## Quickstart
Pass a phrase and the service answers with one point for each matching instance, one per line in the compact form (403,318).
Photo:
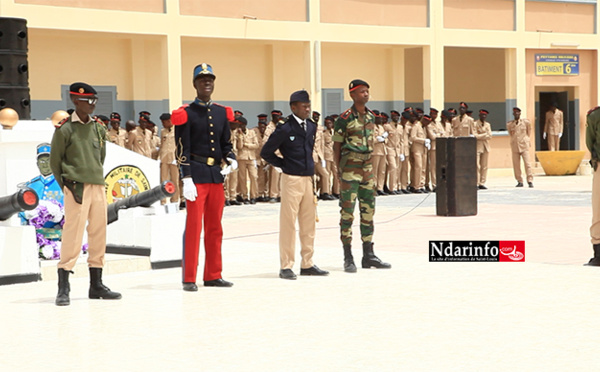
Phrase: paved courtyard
(536,315)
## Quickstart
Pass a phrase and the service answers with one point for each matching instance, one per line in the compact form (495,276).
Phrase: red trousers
(207,207)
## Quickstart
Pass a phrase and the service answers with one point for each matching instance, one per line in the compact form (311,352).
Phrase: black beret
(144,113)
(115,116)
(82,89)
(484,111)
(261,116)
(102,117)
(394,112)
(276,112)
(241,120)
(464,104)
(165,116)
(384,114)
(144,117)
(299,96)
(356,83)
(376,112)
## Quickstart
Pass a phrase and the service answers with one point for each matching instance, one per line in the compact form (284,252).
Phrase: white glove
(254,162)
(544,135)
(225,171)
(174,162)
(471,135)
(278,169)
(323,163)
(402,157)
(380,138)
(559,135)
(189,189)
(266,168)
(428,146)
(385,135)
(234,164)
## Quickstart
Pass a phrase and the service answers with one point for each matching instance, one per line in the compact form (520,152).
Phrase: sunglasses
(91,101)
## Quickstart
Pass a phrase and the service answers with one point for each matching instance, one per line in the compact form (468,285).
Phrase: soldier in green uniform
(592,141)
(353,144)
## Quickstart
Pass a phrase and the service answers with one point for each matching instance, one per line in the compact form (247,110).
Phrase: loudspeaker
(14,69)
(456,189)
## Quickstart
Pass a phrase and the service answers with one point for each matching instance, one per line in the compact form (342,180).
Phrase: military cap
(82,89)
(203,69)
(144,117)
(484,111)
(43,149)
(427,117)
(299,96)
(394,112)
(276,112)
(316,113)
(464,104)
(385,115)
(357,83)
(452,111)
(103,118)
(329,118)
(165,116)
(406,115)
(241,120)
(115,116)
(516,109)
(376,112)
(261,116)
(238,112)
(446,113)
(433,110)
(408,109)
(469,111)
(419,110)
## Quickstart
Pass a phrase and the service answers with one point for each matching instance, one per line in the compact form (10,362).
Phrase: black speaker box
(13,34)
(456,189)
(13,69)
(17,98)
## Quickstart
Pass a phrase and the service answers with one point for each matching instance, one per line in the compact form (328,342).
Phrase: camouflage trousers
(357,181)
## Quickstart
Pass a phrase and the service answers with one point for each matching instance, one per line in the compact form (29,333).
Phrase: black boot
(595,261)
(99,290)
(370,260)
(62,298)
(349,265)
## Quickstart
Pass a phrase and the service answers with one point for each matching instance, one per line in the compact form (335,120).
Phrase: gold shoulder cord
(181,159)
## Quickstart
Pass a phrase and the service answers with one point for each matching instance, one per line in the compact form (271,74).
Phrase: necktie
(303,125)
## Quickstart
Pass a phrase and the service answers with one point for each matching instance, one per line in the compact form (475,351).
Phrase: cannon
(144,199)
(23,200)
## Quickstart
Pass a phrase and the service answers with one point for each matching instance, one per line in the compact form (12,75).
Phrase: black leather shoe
(246,201)
(482,187)
(190,287)
(272,200)
(530,184)
(405,191)
(234,202)
(424,190)
(314,270)
(252,201)
(278,200)
(227,204)
(218,283)
(380,193)
(349,266)
(336,196)
(427,188)
(260,199)
(417,191)
(287,274)
(520,184)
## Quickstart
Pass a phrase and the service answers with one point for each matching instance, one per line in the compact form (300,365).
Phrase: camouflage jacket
(355,135)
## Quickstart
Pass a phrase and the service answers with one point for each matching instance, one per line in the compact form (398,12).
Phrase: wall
(152,6)
(406,13)
(559,17)
(479,14)
(278,10)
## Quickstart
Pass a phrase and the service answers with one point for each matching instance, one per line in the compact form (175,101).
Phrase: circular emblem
(124,181)
(81,90)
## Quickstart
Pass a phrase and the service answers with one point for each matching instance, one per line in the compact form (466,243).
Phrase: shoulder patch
(179,116)
(345,114)
(60,123)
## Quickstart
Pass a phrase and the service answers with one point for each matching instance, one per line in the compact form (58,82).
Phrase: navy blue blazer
(295,144)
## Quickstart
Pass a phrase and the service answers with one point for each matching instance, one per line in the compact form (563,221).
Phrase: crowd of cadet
(404,154)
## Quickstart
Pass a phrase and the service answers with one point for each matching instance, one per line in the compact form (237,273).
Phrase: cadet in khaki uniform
(353,145)
(231,181)
(140,139)
(553,128)
(324,184)
(418,152)
(328,152)
(246,156)
(169,170)
(274,173)
(116,134)
(519,131)
(391,147)
(483,133)
(262,169)
(154,141)
(463,125)
(404,154)
(378,154)
(592,141)
(434,131)
(76,158)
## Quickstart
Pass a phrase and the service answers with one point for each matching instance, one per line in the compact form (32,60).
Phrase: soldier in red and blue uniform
(203,142)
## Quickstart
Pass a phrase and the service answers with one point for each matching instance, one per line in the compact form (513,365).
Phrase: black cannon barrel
(143,199)
(23,200)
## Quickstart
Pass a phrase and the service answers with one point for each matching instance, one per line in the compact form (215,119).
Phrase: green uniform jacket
(354,135)
(78,151)
(592,132)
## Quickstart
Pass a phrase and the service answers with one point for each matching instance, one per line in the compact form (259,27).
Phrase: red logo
(512,251)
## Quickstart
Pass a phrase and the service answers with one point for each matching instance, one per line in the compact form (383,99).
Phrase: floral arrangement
(48,239)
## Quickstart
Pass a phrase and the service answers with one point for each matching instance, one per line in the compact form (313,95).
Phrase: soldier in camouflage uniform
(353,144)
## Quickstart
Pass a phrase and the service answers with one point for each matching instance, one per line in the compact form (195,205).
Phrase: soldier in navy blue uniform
(295,139)
(203,142)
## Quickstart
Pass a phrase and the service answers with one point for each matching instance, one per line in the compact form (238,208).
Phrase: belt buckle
(210,161)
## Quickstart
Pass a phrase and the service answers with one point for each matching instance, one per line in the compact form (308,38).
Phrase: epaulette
(179,116)
(60,123)
(592,110)
(98,121)
(346,114)
(280,122)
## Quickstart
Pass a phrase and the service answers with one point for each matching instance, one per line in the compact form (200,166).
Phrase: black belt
(210,161)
